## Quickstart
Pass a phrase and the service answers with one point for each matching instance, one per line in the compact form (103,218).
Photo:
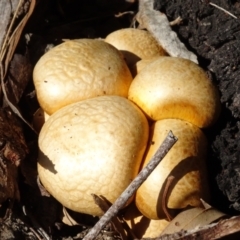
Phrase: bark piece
(7,7)
(158,25)
(12,150)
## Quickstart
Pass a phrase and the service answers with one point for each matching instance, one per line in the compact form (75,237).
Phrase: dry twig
(104,204)
(224,10)
(167,144)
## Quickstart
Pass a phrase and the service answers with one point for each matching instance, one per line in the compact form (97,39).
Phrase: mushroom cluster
(97,137)
(177,95)
(94,140)
(94,146)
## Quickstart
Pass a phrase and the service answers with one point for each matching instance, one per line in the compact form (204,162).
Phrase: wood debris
(158,25)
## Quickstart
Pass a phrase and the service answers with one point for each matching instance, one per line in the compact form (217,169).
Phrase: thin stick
(116,224)
(6,40)
(165,198)
(224,10)
(167,144)
(123,13)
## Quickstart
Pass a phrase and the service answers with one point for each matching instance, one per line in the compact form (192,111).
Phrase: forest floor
(211,33)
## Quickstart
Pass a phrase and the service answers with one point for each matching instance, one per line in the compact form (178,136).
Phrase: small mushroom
(141,226)
(135,44)
(176,88)
(79,69)
(39,118)
(184,163)
(93,146)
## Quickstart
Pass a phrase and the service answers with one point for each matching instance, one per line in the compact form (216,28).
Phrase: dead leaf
(205,204)
(9,103)
(20,72)
(67,219)
(223,228)
(9,45)
(193,218)
(13,35)
(157,24)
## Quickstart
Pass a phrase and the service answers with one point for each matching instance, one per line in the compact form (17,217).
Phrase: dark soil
(215,37)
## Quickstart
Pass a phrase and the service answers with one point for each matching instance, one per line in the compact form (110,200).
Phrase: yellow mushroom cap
(185,162)
(94,146)
(135,44)
(79,69)
(176,88)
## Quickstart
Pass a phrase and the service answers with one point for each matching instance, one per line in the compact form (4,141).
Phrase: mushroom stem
(167,144)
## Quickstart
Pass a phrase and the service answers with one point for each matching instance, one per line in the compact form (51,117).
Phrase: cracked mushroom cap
(94,146)
(176,88)
(79,69)
(185,162)
(135,44)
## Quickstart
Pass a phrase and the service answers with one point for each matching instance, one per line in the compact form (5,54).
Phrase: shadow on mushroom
(189,172)
(46,163)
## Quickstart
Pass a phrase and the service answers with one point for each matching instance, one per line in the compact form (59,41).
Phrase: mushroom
(140,65)
(79,69)
(39,118)
(94,146)
(141,226)
(185,162)
(173,87)
(135,44)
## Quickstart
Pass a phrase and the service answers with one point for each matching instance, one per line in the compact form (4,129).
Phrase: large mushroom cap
(176,88)
(135,44)
(79,69)
(91,147)
(185,162)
